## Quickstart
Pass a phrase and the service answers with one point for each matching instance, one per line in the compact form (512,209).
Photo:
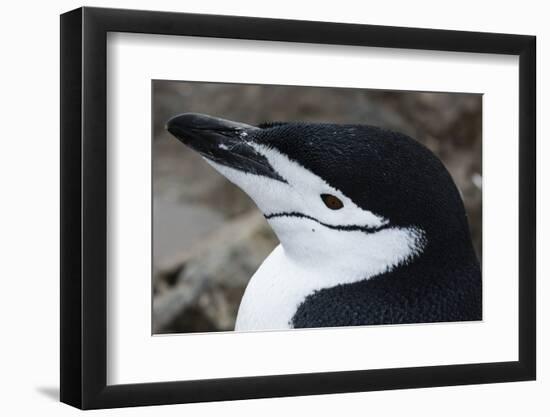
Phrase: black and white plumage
(372,227)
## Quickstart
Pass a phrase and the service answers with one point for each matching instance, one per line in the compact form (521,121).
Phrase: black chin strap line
(346,228)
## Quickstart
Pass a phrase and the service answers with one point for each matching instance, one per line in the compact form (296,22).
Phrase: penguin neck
(307,262)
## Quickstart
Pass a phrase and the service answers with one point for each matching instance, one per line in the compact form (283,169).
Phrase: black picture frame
(84,207)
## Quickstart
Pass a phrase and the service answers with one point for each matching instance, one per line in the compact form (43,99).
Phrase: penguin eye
(332,202)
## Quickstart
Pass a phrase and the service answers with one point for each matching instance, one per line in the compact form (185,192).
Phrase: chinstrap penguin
(372,228)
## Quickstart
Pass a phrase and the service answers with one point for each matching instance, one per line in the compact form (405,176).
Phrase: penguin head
(342,197)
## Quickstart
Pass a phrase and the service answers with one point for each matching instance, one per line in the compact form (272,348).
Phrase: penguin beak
(222,141)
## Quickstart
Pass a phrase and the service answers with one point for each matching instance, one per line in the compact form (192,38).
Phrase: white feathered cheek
(308,194)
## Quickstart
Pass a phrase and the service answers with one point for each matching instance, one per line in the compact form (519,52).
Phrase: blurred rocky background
(209,238)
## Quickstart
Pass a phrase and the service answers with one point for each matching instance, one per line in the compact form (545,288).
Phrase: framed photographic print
(257,208)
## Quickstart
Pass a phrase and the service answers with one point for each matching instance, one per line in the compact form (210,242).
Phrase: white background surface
(134,356)
(29,218)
